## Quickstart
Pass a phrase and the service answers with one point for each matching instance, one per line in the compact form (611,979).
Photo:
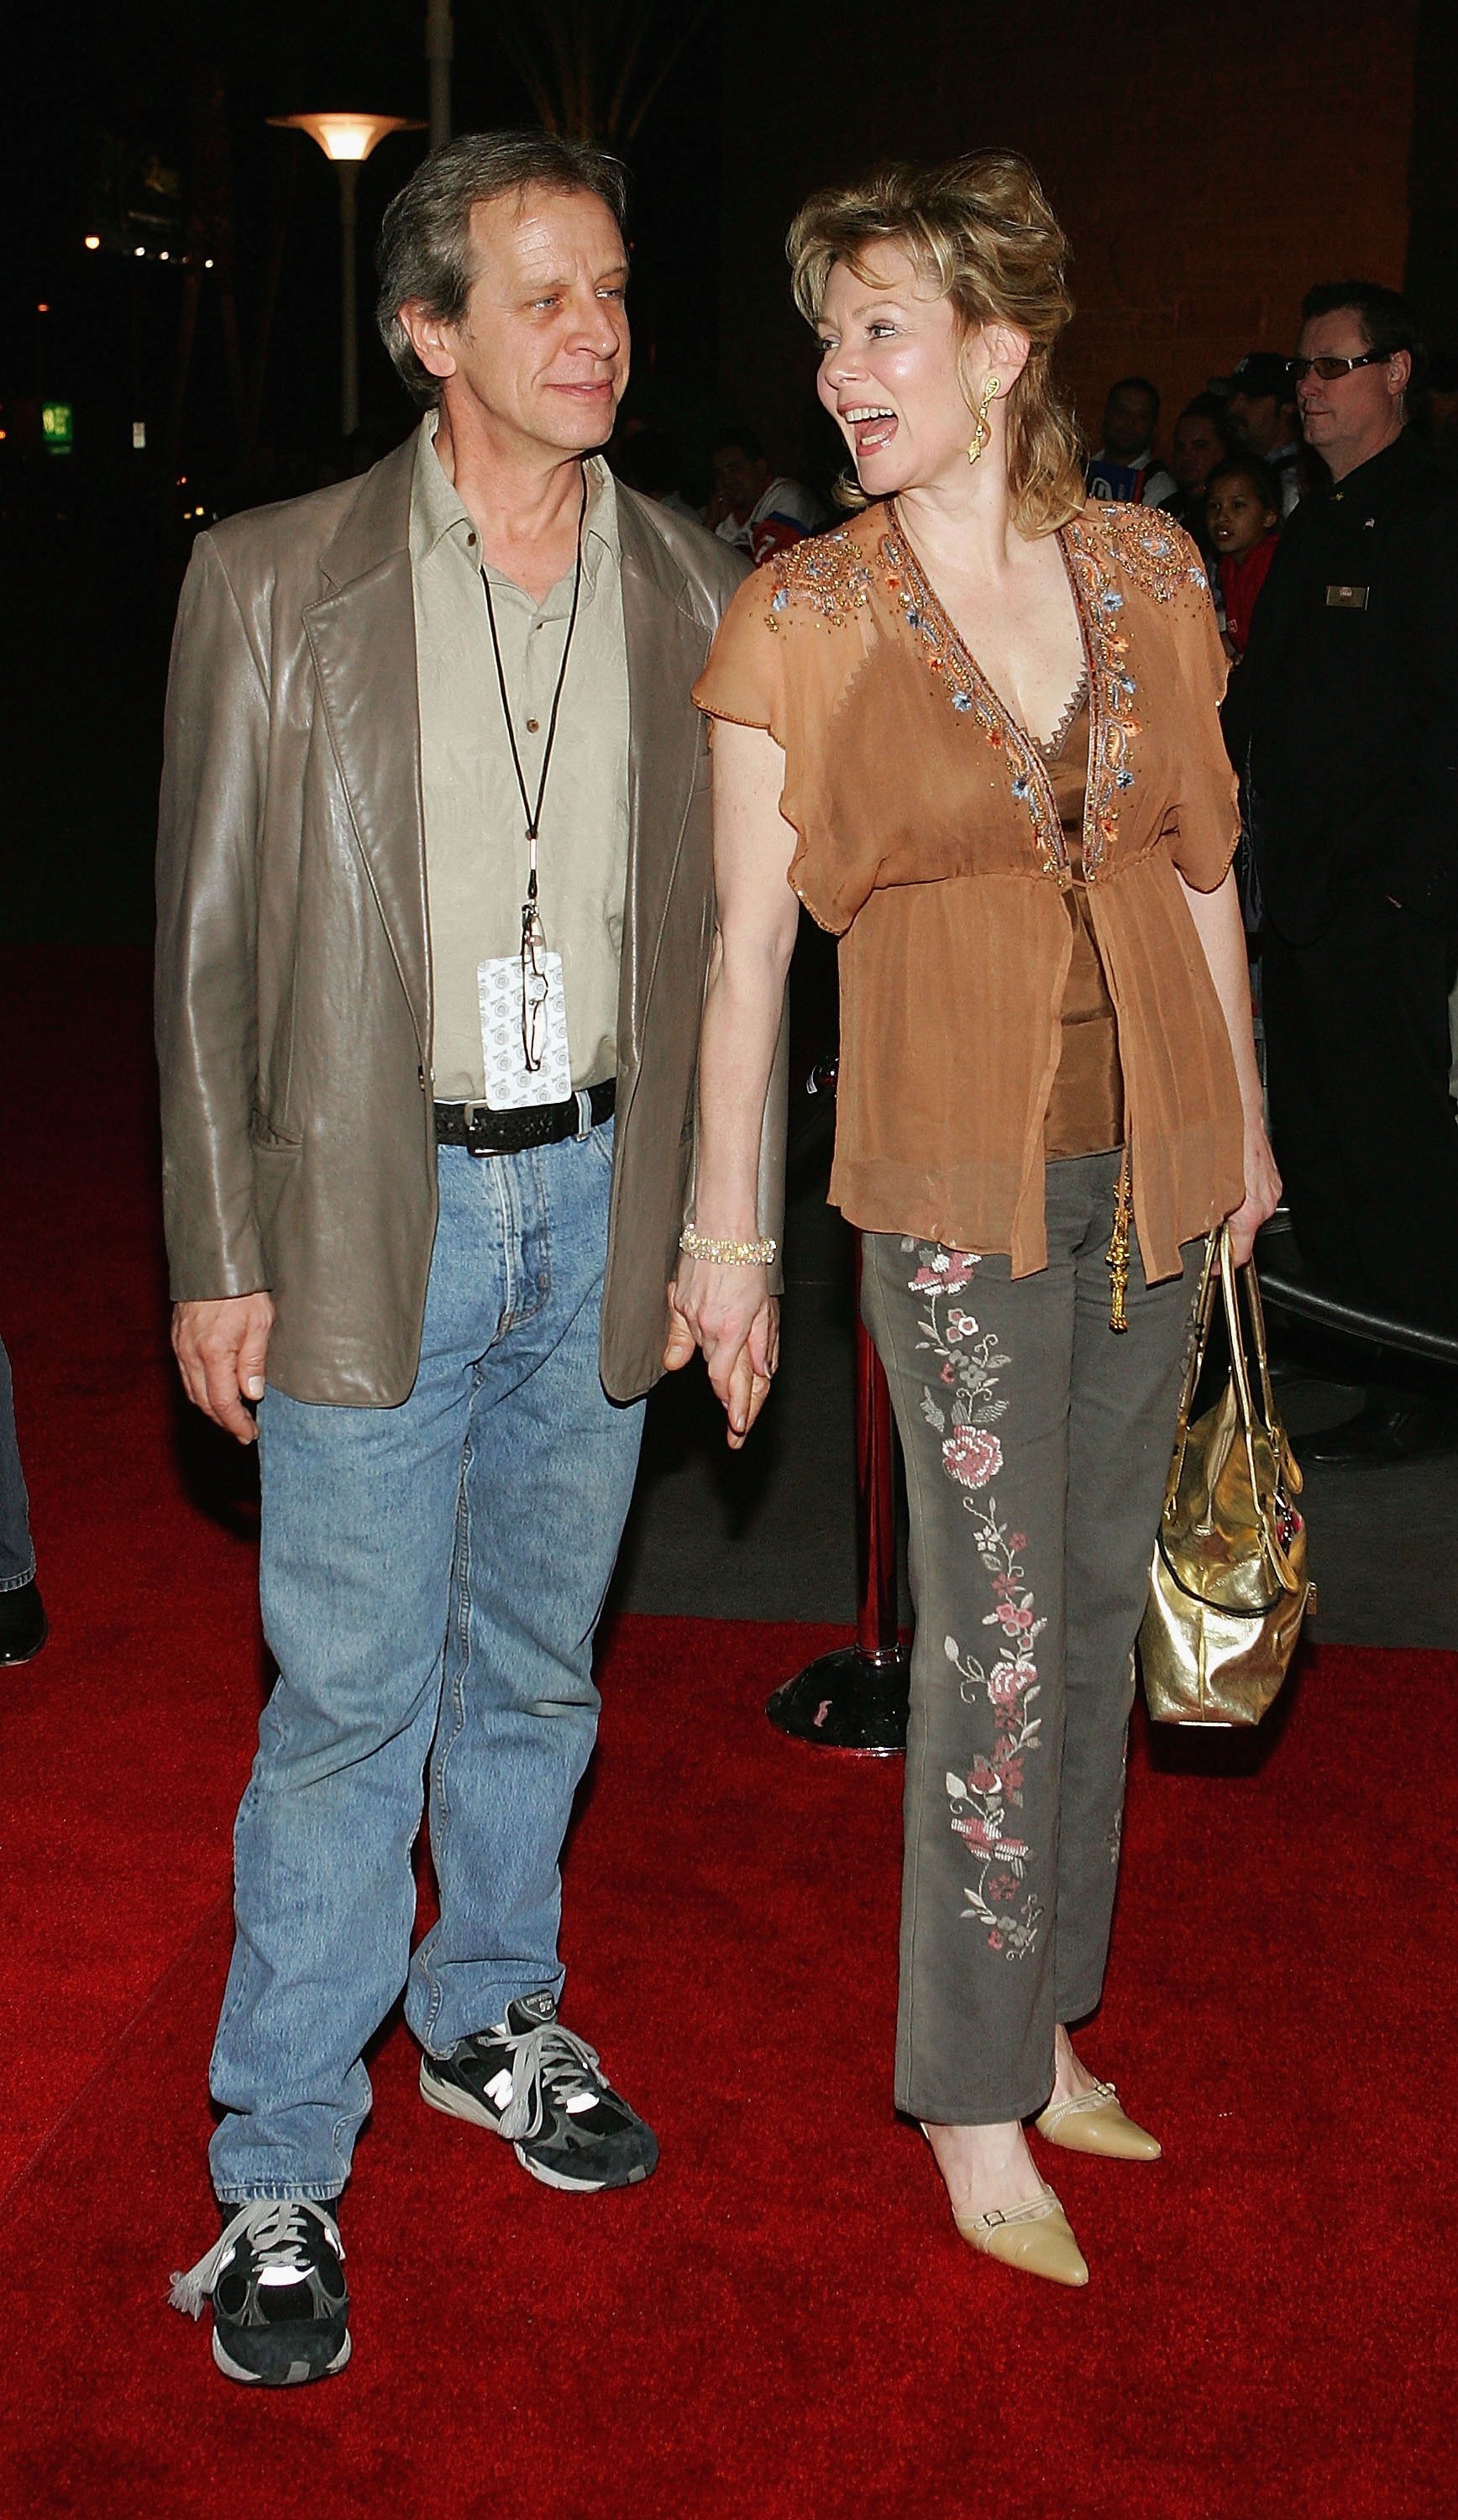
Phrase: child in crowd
(1243,515)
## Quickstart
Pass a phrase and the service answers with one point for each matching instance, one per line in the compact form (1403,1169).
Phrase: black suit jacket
(1342,716)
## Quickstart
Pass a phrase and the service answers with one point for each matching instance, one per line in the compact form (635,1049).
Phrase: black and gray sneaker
(280,2303)
(541,2087)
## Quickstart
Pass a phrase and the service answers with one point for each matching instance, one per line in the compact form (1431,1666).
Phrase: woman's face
(888,371)
(1236,516)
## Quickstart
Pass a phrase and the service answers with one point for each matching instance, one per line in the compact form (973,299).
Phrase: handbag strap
(1217,1249)
(1287,1465)
(1204,1313)
(1240,1375)
(1240,1368)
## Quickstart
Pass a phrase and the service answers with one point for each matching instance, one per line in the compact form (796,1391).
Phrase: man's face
(542,350)
(740,480)
(1351,417)
(1198,448)
(1258,422)
(1129,423)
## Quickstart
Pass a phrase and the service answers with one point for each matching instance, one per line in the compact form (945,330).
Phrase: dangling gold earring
(984,429)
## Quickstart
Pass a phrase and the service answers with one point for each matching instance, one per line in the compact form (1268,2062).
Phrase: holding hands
(725,1309)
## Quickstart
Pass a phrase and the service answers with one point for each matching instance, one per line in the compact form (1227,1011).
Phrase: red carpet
(782,2324)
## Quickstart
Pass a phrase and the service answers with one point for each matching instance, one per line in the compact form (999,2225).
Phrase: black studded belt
(484,1132)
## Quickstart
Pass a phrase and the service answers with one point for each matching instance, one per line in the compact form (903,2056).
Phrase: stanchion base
(848,1700)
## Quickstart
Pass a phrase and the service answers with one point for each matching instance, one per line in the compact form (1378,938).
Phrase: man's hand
(221,1348)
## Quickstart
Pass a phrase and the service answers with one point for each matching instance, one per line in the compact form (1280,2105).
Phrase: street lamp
(440,46)
(347,140)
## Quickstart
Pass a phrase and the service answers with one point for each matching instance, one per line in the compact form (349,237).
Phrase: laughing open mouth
(871,424)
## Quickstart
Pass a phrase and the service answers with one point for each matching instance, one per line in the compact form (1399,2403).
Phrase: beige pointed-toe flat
(1095,2122)
(1037,2237)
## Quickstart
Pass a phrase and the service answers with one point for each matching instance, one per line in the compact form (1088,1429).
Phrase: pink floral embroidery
(1002,1684)
(978,1836)
(970,1364)
(947,1271)
(972,1456)
(993,1787)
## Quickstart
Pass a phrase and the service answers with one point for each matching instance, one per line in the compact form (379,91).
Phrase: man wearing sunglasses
(1343,721)
(435,902)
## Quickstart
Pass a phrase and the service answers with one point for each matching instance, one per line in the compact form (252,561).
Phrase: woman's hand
(1262,1192)
(730,1314)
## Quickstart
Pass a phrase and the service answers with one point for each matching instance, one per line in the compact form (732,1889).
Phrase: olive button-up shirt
(476,827)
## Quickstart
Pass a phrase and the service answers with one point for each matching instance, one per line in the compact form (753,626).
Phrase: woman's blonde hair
(982,232)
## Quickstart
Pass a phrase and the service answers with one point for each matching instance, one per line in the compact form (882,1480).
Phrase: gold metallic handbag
(1228,1589)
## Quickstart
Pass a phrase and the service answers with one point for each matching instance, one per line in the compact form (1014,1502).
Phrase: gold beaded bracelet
(727,1255)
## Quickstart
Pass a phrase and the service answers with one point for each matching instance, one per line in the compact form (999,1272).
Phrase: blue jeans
(430,1576)
(16,1557)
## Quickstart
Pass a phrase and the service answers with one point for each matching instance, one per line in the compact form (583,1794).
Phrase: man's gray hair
(424,237)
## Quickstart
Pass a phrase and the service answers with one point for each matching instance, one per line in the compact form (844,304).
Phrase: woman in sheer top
(974,730)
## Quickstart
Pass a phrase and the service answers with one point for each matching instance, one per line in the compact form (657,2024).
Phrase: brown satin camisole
(1085,1109)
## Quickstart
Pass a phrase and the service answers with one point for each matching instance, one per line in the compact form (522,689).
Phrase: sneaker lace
(273,2226)
(548,2063)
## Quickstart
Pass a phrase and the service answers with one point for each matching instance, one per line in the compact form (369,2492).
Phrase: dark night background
(1271,2336)
(1208,165)
(97,104)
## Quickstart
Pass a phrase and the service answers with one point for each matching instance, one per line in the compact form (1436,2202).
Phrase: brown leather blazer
(293,1004)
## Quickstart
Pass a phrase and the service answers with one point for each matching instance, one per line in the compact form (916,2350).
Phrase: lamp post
(347,140)
(440,46)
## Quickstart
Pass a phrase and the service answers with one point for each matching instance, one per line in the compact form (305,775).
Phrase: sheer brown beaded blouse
(929,840)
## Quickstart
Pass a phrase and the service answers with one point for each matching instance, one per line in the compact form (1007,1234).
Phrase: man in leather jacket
(436,907)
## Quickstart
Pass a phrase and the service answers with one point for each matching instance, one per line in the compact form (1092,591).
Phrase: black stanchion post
(855,1700)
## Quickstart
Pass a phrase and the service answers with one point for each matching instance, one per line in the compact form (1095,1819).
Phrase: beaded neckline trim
(1152,553)
(971,694)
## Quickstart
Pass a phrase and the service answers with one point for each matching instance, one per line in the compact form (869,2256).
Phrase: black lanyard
(534,813)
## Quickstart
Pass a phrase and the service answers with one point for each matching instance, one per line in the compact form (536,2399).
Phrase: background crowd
(1353,689)
(1320,490)
(1343,725)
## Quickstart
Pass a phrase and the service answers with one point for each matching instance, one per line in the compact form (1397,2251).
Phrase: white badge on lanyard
(510,1085)
(522,1000)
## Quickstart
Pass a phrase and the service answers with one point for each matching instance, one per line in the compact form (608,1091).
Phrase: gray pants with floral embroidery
(1036,1444)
